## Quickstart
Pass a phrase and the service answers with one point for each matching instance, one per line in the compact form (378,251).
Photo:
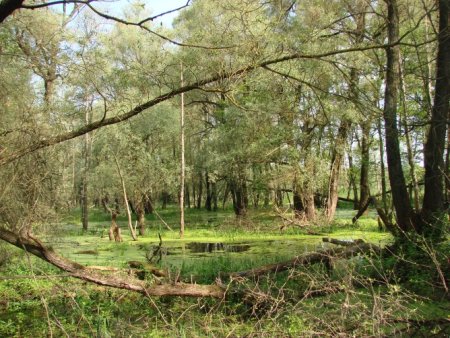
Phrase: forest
(242,168)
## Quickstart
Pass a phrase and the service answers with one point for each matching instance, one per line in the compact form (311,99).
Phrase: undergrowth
(402,295)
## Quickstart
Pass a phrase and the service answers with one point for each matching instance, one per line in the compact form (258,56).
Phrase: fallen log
(321,256)
(342,241)
(34,246)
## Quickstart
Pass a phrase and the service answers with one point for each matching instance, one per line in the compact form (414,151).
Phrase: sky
(160,6)
(154,6)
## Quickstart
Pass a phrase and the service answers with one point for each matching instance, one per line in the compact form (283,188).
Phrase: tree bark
(182,171)
(336,162)
(412,171)
(85,174)
(114,230)
(127,207)
(364,188)
(400,196)
(7,7)
(433,201)
(208,200)
(200,190)
(382,168)
(352,182)
(237,194)
(358,12)
(140,214)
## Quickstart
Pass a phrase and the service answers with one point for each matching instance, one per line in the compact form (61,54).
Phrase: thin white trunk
(182,174)
(125,197)
(409,148)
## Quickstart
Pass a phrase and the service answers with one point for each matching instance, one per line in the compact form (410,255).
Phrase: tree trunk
(412,171)
(140,214)
(352,182)
(188,196)
(447,169)
(237,194)
(165,199)
(336,162)
(299,209)
(278,197)
(7,7)
(85,177)
(125,198)
(225,195)
(433,200)
(382,168)
(200,190)
(182,173)
(208,201)
(310,208)
(214,196)
(114,230)
(148,204)
(400,197)
(365,161)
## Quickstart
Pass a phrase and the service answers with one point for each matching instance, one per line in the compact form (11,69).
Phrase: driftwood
(321,256)
(33,246)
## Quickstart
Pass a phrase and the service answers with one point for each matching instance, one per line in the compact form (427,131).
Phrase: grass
(274,306)
(260,230)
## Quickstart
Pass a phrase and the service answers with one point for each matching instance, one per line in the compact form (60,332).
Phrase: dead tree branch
(76,270)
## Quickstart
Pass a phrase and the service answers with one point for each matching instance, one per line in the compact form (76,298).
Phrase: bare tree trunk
(188,196)
(85,175)
(182,173)
(433,200)
(382,168)
(400,197)
(200,190)
(352,184)
(208,200)
(127,207)
(237,190)
(214,195)
(114,230)
(447,168)
(336,162)
(148,203)
(299,208)
(140,213)
(364,188)
(310,208)
(412,171)
(358,12)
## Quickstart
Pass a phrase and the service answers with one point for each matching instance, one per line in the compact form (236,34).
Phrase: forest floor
(38,300)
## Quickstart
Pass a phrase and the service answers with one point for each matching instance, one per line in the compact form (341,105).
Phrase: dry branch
(32,245)
(322,256)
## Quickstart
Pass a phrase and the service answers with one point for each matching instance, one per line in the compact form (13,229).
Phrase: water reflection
(198,247)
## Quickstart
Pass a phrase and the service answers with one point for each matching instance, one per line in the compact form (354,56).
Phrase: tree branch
(35,247)
(7,7)
(46,142)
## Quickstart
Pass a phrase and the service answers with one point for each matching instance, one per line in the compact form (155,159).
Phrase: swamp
(242,168)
